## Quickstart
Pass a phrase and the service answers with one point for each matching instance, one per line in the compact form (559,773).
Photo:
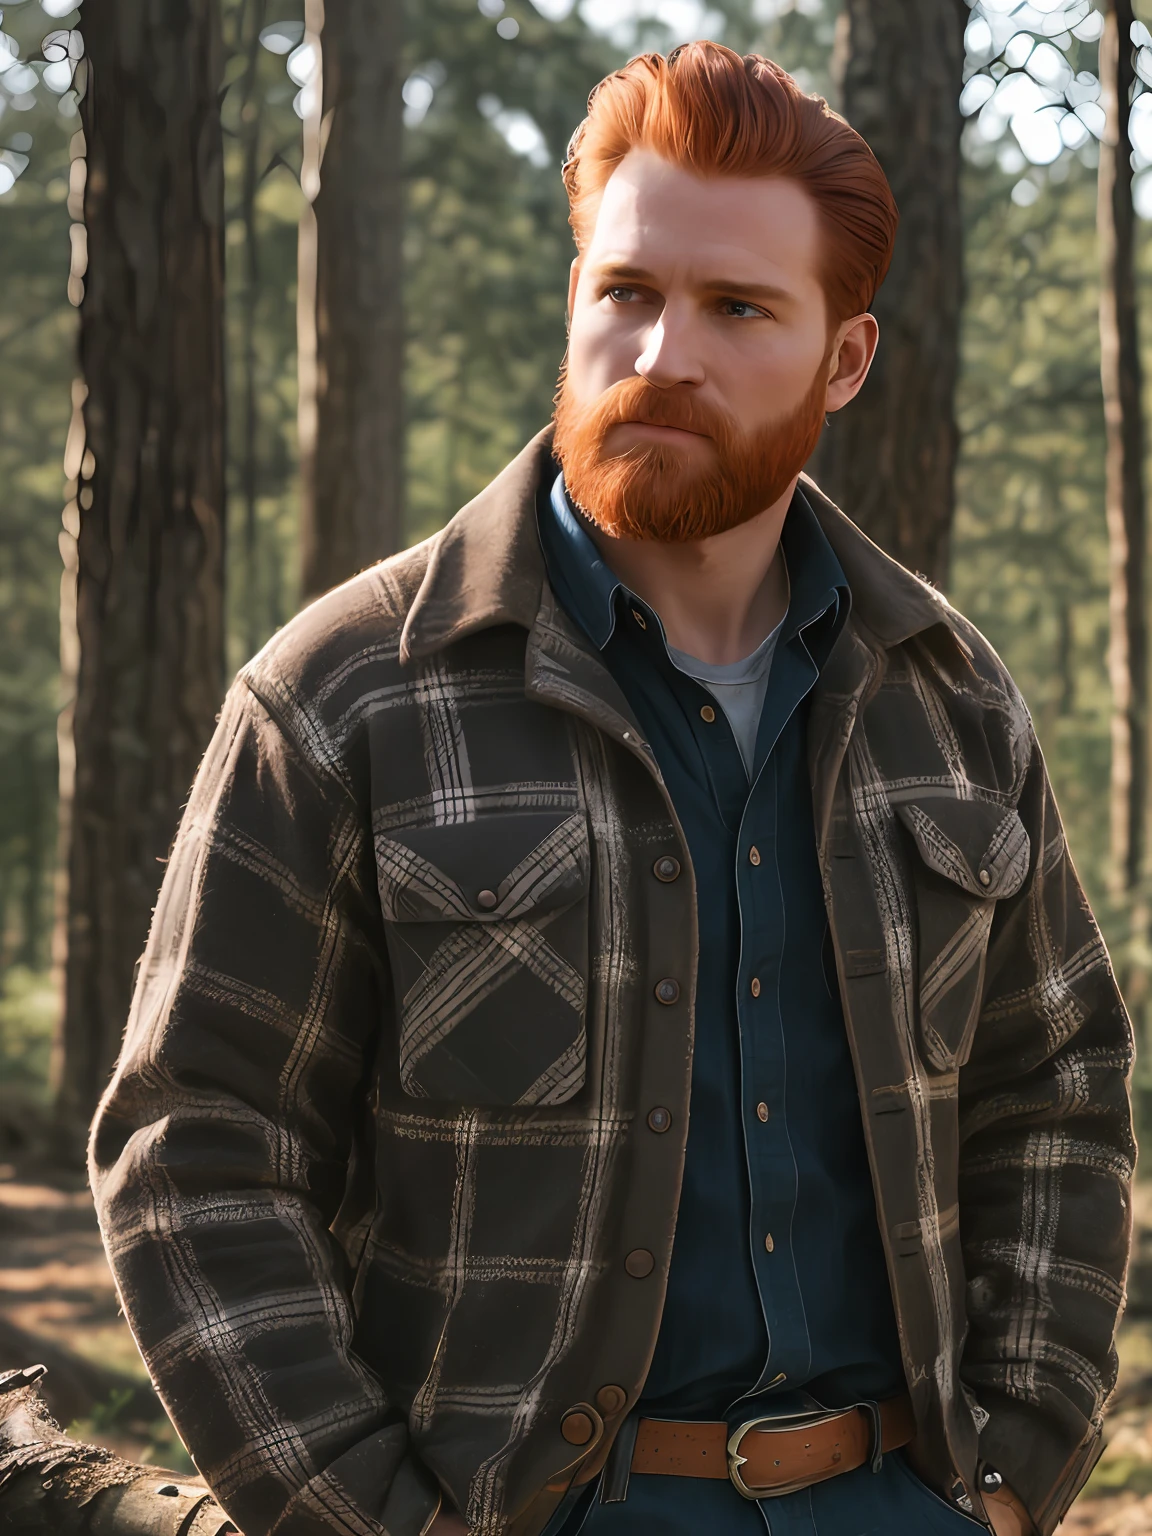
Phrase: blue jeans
(891,1502)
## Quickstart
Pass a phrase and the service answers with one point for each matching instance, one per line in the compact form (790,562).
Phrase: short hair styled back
(719,114)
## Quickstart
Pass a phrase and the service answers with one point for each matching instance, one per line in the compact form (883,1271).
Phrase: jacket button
(769,1242)
(761,1112)
(707,714)
(666,868)
(610,1400)
(639,1263)
(659,1119)
(577,1427)
(487,900)
(755,987)
(754,855)
(985,878)
(668,990)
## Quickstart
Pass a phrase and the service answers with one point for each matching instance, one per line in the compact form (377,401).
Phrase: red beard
(661,491)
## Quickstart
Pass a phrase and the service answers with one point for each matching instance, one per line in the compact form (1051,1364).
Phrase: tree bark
(351,319)
(148,517)
(1124,462)
(252,17)
(889,458)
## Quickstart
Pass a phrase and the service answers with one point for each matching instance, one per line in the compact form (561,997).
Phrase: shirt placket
(772,1170)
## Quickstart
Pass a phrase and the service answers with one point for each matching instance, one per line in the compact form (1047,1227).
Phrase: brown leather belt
(768,1457)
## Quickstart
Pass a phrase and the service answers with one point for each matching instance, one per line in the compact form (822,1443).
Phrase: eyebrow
(736,289)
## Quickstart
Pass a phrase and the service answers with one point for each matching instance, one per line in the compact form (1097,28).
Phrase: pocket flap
(982,848)
(494,869)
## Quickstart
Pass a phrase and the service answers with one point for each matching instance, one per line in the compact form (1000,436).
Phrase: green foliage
(117,1422)
(27,1014)
(36,368)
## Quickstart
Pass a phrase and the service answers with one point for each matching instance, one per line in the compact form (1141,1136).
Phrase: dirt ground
(58,1306)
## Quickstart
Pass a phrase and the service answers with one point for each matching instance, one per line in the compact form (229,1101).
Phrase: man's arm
(220,1153)
(1046,1161)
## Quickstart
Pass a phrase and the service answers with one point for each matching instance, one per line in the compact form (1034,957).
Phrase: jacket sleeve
(1046,1161)
(220,1154)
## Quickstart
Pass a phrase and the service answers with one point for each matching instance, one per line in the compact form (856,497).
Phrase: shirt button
(639,1263)
(668,990)
(659,1119)
(487,900)
(755,986)
(640,619)
(666,868)
(754,854)
(610,1400)
(707,714)
(768,1243)
(761,1111)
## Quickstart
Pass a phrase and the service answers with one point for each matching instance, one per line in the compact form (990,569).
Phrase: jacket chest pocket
(487,925)
(970,855)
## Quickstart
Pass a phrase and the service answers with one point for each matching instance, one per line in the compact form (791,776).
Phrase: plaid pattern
(374,1171)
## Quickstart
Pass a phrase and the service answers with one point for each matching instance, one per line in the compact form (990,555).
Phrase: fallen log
(52,1485)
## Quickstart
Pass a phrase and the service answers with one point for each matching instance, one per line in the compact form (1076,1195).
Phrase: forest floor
(58,1306)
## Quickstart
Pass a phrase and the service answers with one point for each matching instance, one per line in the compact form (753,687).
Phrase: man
(622,1047)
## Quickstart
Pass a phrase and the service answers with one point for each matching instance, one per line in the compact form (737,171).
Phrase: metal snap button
(659,1119)
(577,1427)
(668,990)
(639,1263)
(487,900)
(666,868)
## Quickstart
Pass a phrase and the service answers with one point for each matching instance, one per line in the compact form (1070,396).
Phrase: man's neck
(717,598)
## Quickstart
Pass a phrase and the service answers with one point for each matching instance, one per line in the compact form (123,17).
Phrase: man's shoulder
(341,649)
(950,701)
(979,663)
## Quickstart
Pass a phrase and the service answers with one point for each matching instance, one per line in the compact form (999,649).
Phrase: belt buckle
(771,1424)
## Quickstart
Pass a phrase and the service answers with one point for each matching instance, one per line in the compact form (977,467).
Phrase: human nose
(668,357)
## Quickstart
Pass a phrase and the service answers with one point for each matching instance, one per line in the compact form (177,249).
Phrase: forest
(223,392)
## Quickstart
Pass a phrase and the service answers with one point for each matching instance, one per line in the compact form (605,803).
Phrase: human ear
(853,349)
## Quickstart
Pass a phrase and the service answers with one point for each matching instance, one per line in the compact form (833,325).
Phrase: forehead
(756,227)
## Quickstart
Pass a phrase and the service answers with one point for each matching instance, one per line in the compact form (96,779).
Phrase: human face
(705,290)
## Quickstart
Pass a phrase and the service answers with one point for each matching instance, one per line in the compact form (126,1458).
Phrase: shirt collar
(587,587)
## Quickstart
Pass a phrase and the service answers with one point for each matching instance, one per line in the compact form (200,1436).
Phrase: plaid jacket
(374,1171)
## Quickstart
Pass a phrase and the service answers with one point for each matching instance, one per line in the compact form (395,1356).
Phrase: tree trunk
(1124,479)
(889,458)
(351,319)
(252,17)
(148,517)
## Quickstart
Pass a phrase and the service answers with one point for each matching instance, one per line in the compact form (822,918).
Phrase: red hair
(715,113)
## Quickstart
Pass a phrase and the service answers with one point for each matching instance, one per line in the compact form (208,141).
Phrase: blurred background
(281,287)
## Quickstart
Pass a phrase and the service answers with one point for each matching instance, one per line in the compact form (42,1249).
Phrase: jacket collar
(486,567)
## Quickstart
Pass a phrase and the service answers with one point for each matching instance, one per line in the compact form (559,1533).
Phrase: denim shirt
(778,1291)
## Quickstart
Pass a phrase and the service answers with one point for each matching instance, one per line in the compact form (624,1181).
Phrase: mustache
(636,400)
